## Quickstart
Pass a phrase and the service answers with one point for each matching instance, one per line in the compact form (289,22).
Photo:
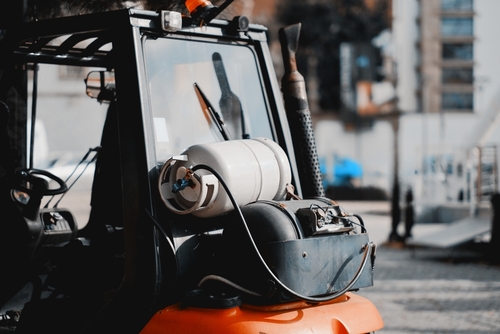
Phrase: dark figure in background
(395,215)
(494,244)
(409,213)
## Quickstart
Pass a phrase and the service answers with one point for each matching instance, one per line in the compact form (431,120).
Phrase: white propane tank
(253,169)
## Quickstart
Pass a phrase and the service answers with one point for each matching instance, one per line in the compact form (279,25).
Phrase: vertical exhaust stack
(298,114)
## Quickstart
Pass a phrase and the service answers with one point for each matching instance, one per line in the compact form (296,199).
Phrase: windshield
(203,92)
(68,124)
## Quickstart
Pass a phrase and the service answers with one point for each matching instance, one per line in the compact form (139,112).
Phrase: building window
(457,101)
(457,51)
(456,5)
(457,76)
(456,26)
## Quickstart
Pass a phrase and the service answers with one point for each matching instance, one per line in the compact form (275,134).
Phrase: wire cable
(367,249)
(94,158)
(228,282)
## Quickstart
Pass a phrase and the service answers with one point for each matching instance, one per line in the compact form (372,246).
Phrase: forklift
(156,177)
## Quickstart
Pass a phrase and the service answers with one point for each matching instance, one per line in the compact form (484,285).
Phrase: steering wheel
(39,185)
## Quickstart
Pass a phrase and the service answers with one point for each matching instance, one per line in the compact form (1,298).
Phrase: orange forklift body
(343,315)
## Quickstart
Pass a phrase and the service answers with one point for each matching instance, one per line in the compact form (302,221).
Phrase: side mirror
(100,85)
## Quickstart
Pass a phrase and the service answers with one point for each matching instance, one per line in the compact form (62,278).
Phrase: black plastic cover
(310,266)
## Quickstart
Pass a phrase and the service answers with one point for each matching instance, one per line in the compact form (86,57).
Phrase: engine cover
(310,265)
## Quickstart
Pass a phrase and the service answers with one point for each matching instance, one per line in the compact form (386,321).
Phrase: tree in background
(325,25)
(16,11)
(43,9)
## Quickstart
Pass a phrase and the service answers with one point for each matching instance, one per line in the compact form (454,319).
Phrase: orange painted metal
(349,313)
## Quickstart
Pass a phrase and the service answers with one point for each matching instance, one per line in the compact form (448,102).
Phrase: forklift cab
(148,170)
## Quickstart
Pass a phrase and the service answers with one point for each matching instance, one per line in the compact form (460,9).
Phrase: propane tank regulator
(254,169)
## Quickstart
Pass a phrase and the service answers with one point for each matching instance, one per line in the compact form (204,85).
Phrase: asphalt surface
(425,290)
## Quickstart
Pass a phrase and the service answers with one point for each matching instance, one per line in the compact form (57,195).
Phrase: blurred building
(442,58)
(446,58)
(445,53)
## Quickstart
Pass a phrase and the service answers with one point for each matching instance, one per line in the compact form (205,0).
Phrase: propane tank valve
(184,182)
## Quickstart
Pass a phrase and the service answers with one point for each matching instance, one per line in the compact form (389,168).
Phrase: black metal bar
(33,113)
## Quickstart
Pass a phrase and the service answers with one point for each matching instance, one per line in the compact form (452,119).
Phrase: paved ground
(429,290)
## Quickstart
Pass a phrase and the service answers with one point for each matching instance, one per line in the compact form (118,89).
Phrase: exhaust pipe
(299,117)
